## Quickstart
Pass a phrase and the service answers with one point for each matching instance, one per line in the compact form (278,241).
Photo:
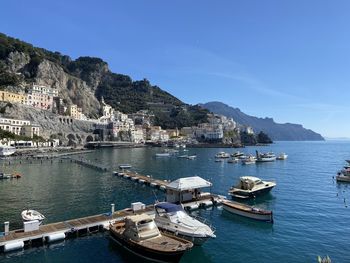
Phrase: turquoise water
(310,208)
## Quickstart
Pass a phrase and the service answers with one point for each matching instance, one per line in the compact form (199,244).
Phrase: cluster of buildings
(19,127)
(114,125)
(44,98)
(215,129)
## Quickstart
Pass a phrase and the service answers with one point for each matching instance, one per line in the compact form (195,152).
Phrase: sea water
(311,211)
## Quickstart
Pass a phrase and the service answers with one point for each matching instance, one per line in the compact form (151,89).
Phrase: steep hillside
(85,80)
(277,131)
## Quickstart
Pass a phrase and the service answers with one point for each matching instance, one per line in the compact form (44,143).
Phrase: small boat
(10,176)
(7,150)
(172,218)
(237,154)
(30,215)
(247,211)
(162,154)
(219,160)
(183,146)
(250,187)
(249,160)
(125,166)
(342,177)
(282,156)
(265,157)
(185,156)
(222,155)
(140,235)
(233,160)
(191,157)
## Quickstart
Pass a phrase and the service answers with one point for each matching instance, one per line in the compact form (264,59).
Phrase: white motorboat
(191,157)
(237,154)
(250,187)
(282,156)
(222,155)
(249,160)
(125,166)
(233,160)
(173,219)
(162,154)
(30,215)
(265,157)
(7,150)
(247,211)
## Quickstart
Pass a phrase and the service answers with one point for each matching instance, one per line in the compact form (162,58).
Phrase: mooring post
(112,210)
(7,227)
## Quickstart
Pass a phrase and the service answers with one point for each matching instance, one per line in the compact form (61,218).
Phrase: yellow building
(12,97)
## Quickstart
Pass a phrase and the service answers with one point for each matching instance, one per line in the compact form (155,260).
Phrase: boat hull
(343,178)
(197,241)
(150,254)
(252,214)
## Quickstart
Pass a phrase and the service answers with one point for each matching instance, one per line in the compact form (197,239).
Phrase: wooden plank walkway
(70,226)
(148,180)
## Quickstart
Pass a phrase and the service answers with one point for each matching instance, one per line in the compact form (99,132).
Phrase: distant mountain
(277,131)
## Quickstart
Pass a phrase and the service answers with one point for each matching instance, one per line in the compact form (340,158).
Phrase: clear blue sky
(289,60)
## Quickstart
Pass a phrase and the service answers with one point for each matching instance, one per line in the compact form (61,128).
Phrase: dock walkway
(69,228)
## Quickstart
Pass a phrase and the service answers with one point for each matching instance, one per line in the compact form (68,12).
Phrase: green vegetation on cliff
(20,61)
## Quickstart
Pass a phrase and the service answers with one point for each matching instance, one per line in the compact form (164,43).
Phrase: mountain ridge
(277,131)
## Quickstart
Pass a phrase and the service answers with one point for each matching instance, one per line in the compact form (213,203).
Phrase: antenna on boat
(155,195)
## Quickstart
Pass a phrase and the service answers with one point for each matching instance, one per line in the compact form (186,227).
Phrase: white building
(19,127)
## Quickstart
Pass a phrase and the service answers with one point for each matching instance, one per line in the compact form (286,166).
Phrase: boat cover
(169,207)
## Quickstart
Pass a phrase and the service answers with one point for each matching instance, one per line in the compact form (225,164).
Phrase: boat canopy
(169,207)
(188,183)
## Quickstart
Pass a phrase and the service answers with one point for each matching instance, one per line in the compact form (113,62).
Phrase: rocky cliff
(85,80)
(64,128)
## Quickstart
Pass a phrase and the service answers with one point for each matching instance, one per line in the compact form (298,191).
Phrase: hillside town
(113,125)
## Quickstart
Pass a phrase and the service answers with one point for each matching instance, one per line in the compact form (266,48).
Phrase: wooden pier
(88,163)
(142,179)
(66,229)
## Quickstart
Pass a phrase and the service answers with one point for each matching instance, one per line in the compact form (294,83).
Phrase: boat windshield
(146,225)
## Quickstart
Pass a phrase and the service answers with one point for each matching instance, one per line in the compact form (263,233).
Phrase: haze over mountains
(276,131)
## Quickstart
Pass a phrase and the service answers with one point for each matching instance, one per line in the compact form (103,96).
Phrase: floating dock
(142,179)
(204,200)
(18,239)
(88,163)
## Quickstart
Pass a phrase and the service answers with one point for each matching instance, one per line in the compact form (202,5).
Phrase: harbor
(44,187)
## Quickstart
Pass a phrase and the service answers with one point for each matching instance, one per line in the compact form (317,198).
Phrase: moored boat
(125,166)
(7,150)
(237,154)
(140,235)
(342,178)
(233,160)
(250,187)
(30,215)
(265,157)
(247,211)
(282,156)
(162,154)
(222,155)
(249,160)
(173,219)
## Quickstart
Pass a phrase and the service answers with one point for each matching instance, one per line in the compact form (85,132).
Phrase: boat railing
(204,221)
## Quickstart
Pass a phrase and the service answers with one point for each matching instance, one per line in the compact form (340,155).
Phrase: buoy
(55,237)
(13,246)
